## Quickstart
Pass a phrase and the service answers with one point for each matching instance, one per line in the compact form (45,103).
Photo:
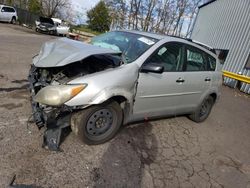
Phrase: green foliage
(34,6)
(9,2)
(99,18)
(85,29)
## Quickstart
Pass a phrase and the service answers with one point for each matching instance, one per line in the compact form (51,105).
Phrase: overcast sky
(83,6)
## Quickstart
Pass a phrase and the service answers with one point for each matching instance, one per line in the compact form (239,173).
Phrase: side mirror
(2,10)
(152,68)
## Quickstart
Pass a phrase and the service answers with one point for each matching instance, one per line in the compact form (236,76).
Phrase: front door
(160,94)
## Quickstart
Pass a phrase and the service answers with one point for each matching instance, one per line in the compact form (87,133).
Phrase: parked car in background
(121,77)
(62,27)
(53,26)
(45,25)
(8,14)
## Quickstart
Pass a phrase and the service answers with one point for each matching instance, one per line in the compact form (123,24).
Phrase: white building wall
(225,24)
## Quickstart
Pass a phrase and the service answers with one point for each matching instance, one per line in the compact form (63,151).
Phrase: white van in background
(8,14)
(62,27)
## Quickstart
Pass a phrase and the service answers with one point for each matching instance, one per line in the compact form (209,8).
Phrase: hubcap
(99,122)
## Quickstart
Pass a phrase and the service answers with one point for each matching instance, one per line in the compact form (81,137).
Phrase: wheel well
(14,17)
(214,96)
(119,99)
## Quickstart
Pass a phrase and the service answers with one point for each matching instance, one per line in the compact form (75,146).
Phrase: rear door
(10,13)
(197,78)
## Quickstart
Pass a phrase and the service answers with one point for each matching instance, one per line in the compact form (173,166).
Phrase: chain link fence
(26,17)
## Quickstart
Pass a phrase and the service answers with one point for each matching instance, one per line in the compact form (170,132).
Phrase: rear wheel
(97,124)
(203,110)
(13,20)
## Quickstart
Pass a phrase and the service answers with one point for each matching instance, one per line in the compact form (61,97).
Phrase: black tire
(13,20)
(89,124)
(203,111)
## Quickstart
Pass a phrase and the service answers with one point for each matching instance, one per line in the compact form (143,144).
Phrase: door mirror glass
(154,68)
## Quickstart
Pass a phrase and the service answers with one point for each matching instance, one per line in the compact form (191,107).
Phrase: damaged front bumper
(54,119)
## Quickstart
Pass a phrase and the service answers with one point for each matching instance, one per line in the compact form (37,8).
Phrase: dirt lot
(173,152)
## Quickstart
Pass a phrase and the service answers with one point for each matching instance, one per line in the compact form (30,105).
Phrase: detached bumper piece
(53,134)
(54,119)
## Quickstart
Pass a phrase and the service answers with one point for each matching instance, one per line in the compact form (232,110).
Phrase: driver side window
(169,56)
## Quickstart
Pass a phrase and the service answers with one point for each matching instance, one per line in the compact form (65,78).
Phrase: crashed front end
(45,25)
(49,78)
(51,113)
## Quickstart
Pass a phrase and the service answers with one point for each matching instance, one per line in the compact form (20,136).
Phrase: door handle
(180,80)
(207,79)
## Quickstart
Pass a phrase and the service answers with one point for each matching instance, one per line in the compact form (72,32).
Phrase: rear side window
(195,60)
(211,63)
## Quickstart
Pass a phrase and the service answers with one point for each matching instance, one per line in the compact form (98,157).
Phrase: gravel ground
(173,152)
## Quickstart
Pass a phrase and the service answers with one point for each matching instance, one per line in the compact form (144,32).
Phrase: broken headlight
(59,94)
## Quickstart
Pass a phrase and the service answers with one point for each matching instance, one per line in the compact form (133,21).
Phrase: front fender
(108,93)
(102,86)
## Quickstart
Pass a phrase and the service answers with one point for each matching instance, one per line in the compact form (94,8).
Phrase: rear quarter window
(211,63)
(11,9)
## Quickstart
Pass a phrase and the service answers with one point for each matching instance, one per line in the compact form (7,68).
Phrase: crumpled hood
(64,51)
(46,20)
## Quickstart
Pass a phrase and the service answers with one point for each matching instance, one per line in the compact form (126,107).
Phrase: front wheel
(203,110)
(97,124)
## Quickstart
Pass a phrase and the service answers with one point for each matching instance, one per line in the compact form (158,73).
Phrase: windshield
(129,44)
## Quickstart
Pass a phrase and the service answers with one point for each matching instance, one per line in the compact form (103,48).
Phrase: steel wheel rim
(204,108)
(99,122)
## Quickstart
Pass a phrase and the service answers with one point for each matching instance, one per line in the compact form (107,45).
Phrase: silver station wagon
(121,77)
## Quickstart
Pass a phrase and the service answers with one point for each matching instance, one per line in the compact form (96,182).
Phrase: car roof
(1,5)
(170,37)
(148,34)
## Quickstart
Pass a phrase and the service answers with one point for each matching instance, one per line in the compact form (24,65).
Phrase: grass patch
(86,29)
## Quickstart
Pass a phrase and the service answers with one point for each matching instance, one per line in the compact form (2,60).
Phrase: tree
(117,12)
(99,18)
(173,17)
(34,6)
(52,7)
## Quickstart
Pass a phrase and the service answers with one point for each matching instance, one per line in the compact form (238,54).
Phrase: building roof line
(207,3)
